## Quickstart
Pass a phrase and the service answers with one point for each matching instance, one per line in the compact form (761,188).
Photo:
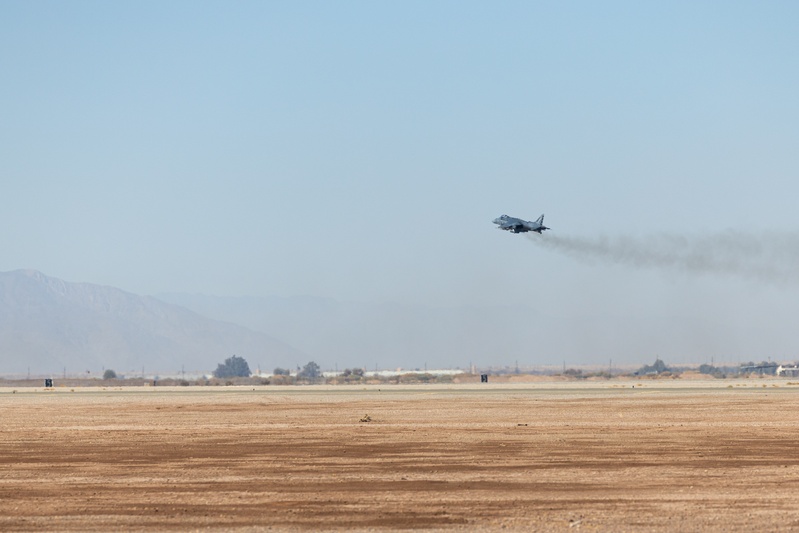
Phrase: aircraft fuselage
(517,225)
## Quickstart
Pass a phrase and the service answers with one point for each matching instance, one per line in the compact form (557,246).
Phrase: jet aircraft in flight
(517,225)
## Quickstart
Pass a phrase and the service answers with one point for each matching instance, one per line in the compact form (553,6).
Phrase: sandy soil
(530,457)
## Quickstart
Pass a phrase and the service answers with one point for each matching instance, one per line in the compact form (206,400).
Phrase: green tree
(657,368)
(574,372)
(233,367)
(310,371)
(281,372)
(109,374)
(352,374)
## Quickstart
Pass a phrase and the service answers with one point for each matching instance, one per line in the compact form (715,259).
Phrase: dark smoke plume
(772,257)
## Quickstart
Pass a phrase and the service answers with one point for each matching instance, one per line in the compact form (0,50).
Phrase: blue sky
(360,150)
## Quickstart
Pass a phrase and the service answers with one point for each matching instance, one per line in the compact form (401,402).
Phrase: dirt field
(715,456)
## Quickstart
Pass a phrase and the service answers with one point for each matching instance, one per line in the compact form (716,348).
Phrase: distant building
(763,369)
(790,371)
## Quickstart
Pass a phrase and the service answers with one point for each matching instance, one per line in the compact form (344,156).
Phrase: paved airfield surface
(662,456)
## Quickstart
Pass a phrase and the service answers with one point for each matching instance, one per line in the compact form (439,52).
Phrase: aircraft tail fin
(540,220)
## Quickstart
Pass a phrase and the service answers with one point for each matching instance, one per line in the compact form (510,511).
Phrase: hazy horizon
(359,152)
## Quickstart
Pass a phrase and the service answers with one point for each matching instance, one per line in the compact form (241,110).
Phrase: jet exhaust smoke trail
(773,257)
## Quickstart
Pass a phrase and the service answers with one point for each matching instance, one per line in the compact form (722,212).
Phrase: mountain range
(50,326)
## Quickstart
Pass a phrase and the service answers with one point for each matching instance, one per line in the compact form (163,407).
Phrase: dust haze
(771,257)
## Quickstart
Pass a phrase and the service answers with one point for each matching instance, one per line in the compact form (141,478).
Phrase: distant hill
(48,325)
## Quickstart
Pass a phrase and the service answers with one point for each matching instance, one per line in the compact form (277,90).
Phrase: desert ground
(605,456)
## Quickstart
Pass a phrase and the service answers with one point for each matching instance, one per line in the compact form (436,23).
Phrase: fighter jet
(517,225)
